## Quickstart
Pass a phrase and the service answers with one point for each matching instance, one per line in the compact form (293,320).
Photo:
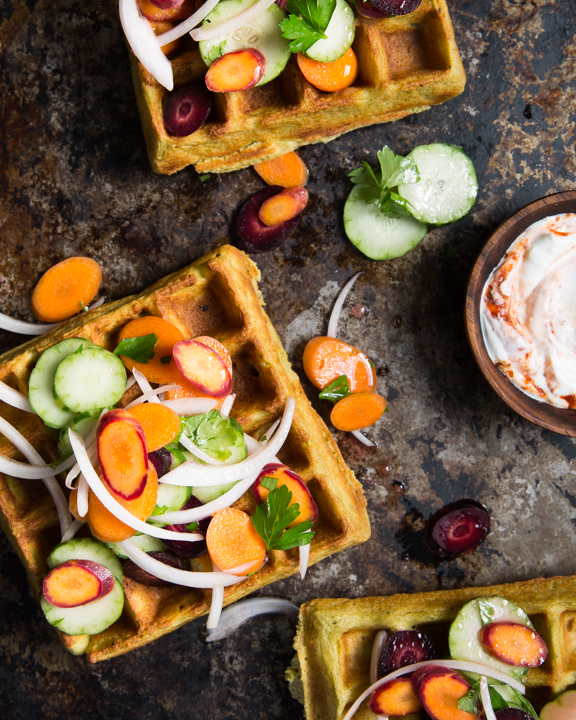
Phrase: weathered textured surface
(74,179)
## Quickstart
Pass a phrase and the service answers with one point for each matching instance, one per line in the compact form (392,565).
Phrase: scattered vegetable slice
(66,288)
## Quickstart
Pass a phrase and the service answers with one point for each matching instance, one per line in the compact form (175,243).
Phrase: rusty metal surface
(74,179)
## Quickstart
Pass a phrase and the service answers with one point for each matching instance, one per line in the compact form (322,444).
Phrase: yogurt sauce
(528,311)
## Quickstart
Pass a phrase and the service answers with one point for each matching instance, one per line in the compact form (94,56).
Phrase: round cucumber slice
(144,542)
(464,631)
(86,549)
(262,34)
(41,384)
(377,236)
(339,35)
(447,188)
(208,493)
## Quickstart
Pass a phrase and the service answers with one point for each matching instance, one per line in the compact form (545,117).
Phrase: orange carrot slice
(357,411)
(66,288)
(160,27)
(160,424)
(287,170)
(396,697)
(233,543)
(153,12)
(218,348)
(300,493)
(155,370)
(332,76)
(326,359)
(77,582)
(439,690)
(514,644)
(122,453)
(238,70)
(284,206)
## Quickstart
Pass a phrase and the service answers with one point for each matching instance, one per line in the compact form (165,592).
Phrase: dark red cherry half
(186,109)
(405,647)
(458,528)
(396,7)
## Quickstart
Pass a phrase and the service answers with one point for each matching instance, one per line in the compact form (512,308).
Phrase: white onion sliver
(113,505)
(24,471)
(304,558)
(14,398)
(362,438)
(150,395)
(379,641)
(144,43)
(216,605)
(227,405)
(240,612)
(192,474)
(25,328)
(462,665)
(72,529)
(335,315)
(188,24)
(232,24)
(82,497)
(131,380)
(96,304)
(486,701)
(144,385)
(191,405)
(187,578)
(243,568)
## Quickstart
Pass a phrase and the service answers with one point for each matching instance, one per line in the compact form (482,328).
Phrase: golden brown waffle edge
(335,637)
(407,64)
(217,295)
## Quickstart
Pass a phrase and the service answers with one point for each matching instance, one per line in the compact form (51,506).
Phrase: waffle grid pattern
(406,64)
(335,637)
(215,296)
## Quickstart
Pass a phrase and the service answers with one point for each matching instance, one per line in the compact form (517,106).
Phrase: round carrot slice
(160,424)
(300,493)
(174,14)
(65,289)
(331,76)
(203,367)
(122,453)
(287,170)
(326,359)
(154,370)
(357,411)
(233,543)
(77,582)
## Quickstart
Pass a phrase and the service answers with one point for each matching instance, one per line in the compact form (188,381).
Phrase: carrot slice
(66,288)
(233,543)
(284,206)
(330,77)
(357,411)
(77,582)
(168,335)
(122,453)
(326,359)
(287,170)
(160,424)
(300,493)
(153,12)
(396,697)
(237,70)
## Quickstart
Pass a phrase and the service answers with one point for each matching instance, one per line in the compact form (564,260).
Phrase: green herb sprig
(336,390)
(140,349)
(273,516)
(307,22)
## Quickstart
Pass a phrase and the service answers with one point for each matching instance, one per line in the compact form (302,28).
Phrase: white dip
(528,311)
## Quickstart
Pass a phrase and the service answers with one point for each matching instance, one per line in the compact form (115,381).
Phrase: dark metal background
(74,179)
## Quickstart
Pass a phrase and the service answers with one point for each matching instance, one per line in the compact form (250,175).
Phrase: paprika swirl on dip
(528,311)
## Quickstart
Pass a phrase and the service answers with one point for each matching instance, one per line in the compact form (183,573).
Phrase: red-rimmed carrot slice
(332,76)
(160,424)
(77,582)
(284,206)
(514,644)
(203,368)
(300,493)
(66,288)
(168,335)
(396,697)
(234,71)
(357,411)
(326,359)
(439,690)
(174,14)
(233,543)
(122,453)
(287,170)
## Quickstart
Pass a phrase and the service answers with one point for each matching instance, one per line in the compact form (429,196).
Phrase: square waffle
(218,296)
(406,64)
(335,637)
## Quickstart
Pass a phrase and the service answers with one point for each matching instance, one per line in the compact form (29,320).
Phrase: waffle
(217,296)
(406,64)
(335,637)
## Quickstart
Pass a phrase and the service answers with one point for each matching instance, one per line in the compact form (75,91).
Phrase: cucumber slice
(377,236)
(41,385)
(262,34)
(339,35)
(172,497)
(83,425)
(86,549)
(90,379)
(463,635)
(447,187)
(89,619)
(207,494)
(144,542)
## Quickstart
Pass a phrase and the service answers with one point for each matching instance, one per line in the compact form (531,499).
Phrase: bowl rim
(559,420)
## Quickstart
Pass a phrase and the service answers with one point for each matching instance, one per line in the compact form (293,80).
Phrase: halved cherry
(458,528)
(396,697)
(122,455)
(234,71)
(77,582)
(202,367)
(514,643)
(300,493)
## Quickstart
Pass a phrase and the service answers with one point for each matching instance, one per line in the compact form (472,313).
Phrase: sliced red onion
(362,438)
(72,529)
(216,605)
(151,395)
(335,315)
(240,612)
(187,578)
(14,398)
(227,405)
(144,43)
(462,665)
(191,405)
(82,497)
(192,474)
(486,701)
(143,383)
(25,328)
(379,642)
(188,24)
(111,504)
(232,24)
(304,557)
(196,451)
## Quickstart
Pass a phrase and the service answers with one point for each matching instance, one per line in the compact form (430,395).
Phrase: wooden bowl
(559,420)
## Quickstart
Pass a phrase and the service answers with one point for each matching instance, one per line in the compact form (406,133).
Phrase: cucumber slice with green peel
(144,542)
(377,236)
(90,379)
(339,35)
(86,549)
(447,188)
(83,425)
(206,494)
(170,498)
(262,34)
(464,632)
(41,384)
(89,619)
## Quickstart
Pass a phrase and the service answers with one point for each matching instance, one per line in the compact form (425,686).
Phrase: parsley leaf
(469,702)
(214,434)
(140,349)
(192,526)
(498,702)
(336,390)
(166,359)
(307,22)
(486,612)
(272,518)
(270,483)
